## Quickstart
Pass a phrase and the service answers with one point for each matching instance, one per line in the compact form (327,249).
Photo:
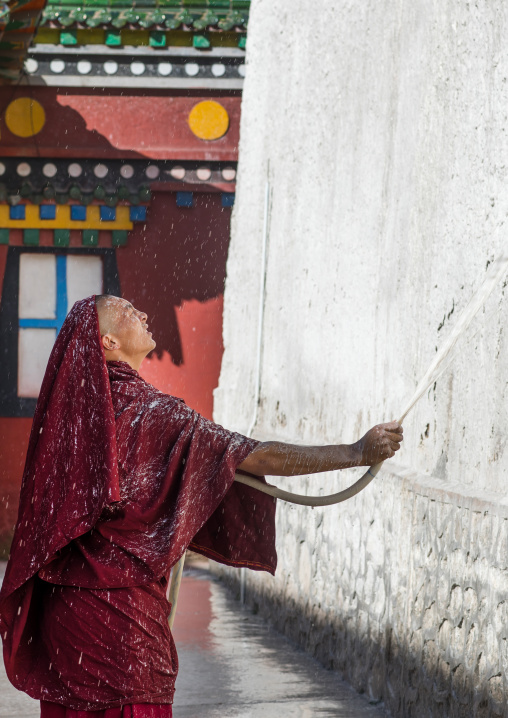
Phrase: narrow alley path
(233,666)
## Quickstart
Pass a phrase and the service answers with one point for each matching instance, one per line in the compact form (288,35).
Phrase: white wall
(381,127)
(385,128)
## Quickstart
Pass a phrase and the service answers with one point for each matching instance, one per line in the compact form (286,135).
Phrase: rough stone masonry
(377,130)
(417,616)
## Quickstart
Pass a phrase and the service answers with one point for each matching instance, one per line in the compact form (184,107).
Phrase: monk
(120,479)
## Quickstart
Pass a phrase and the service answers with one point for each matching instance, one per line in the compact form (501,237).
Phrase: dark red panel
(85,123)
(3,259)
(14,435)
(178,255)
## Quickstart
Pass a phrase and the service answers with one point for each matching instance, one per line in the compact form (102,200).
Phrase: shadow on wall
(64,133)
(407,683)
(178,255)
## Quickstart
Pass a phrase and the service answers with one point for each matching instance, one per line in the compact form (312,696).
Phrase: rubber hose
(311,500)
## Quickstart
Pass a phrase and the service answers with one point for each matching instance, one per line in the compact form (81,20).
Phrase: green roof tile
(173,14)
(100,17)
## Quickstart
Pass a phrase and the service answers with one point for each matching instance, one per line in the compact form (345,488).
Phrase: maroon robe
(119,480)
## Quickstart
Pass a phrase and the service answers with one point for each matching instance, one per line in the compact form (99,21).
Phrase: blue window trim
(61,290)
(61,301)
(12,405)
(185,199)
(37,324)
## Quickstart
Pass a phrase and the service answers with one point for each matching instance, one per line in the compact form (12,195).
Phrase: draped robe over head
(119,480)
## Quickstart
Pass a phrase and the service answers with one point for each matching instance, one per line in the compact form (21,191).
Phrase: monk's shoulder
(153,405)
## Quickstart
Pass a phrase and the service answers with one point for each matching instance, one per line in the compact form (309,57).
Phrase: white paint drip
(494,275)
(261,313)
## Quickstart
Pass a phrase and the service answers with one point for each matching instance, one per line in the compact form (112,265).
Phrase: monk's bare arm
(274,458)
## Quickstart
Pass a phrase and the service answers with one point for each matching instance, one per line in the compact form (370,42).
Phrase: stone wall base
(436,643)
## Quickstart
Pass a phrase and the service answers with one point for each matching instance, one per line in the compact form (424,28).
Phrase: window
(49,285)
(40,286)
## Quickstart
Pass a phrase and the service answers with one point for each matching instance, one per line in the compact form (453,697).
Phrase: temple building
(119,129)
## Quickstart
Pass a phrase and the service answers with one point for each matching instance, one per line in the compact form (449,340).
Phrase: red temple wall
(14,435)
(200,326)
(83,123)
(174,269)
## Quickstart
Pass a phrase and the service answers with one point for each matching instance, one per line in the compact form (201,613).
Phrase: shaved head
(107,309)
(123,329)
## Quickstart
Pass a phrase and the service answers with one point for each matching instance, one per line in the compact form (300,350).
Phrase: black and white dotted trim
(87,174)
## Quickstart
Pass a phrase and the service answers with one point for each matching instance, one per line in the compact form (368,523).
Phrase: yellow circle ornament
(209,120)
(25,117)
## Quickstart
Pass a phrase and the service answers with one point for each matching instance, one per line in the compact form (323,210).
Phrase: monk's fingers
(384,450)
(394,437)
(393,426)
(393,444)
(389,446)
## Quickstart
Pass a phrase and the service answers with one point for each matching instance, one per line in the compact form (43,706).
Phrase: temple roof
(18,23)
(219,15)
(74,20)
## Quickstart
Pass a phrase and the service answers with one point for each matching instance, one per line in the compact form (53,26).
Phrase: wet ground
(233,666)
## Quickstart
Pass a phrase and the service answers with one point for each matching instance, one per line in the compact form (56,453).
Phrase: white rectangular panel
(34,348)
(84,277)
(37,286)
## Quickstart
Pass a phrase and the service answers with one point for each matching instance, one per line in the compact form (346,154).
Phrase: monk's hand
(379,443)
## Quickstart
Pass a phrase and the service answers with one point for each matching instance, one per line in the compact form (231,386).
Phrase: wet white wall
(381,130)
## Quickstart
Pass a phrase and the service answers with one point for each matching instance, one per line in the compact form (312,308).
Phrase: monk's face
(124,331)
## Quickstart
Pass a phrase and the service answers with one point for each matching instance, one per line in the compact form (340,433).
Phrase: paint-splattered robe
(120,479)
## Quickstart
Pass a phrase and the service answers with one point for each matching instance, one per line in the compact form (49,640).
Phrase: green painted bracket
(69,37)
(158,38)
(201,42)
(113,38)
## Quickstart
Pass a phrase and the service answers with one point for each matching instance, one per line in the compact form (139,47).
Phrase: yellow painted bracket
(63,219)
